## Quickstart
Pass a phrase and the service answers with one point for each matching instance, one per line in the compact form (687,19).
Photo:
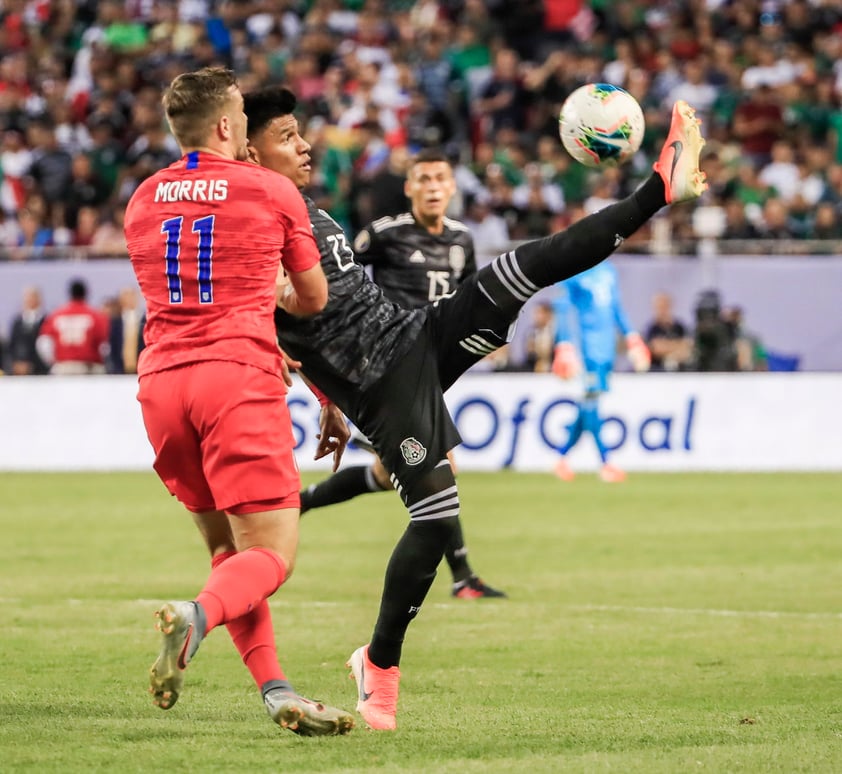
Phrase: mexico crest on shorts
(412,450)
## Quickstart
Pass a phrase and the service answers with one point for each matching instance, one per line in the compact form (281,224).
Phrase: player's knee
(275,531)
(435,495)
(497,283)
(437,480)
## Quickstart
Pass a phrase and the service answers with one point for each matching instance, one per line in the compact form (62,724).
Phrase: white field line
(153,604)
(704,611)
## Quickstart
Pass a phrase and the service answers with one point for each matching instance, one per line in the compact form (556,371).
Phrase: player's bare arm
(302,293)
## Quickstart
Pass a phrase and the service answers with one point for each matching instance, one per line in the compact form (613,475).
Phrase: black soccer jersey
(413,266)
(352,341)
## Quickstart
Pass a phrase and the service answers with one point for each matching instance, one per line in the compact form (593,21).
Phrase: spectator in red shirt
(74,338)
(759,123)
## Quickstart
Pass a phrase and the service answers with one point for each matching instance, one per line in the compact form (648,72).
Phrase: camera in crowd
(715,345)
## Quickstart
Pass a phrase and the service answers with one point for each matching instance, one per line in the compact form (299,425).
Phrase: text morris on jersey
(192,191)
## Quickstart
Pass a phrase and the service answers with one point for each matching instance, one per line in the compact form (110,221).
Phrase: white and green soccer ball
(601,125)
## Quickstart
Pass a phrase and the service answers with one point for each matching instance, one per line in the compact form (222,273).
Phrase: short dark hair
(264,105)
(78,290)
(426,155)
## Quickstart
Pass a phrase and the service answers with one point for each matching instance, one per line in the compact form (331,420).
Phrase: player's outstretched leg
(678,164)
(377,690)
(344,485)
(513,277)
(305,717)
(182,625)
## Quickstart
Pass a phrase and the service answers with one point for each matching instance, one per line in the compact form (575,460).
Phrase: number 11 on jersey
(204,257)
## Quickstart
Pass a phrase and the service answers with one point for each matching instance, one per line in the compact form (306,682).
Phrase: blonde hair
(193,103)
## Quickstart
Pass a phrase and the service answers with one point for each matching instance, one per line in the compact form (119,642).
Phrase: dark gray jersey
(359,333)
(413,266)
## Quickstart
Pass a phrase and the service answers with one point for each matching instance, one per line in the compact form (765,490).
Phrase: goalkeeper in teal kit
(589,316)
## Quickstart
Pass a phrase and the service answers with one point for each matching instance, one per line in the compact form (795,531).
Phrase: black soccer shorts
(406,419)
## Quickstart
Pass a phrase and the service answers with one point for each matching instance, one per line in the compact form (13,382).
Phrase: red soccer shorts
(222,436)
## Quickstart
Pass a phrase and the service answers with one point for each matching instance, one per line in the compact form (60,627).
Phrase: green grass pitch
(674,623)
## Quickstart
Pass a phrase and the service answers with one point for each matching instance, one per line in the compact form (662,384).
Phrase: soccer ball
(601,125)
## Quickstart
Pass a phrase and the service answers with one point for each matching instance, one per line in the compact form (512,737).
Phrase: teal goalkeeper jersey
(589,313)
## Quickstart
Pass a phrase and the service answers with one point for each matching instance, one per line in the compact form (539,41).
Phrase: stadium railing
(674,248)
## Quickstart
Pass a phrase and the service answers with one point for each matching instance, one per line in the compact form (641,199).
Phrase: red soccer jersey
(205,237)
(79,333)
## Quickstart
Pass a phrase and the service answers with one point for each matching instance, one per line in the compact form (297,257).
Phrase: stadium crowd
(82,124)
